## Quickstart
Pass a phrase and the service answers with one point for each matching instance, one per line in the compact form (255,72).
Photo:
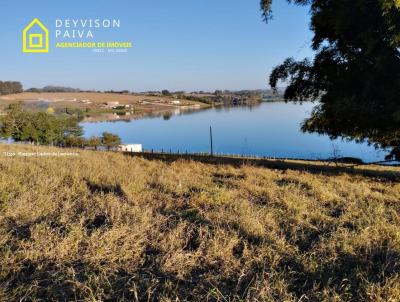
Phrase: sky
(187,45)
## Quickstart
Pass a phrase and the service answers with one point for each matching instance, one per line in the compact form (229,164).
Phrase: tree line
(54,89)
(43,128)
(10,87)
(106,140)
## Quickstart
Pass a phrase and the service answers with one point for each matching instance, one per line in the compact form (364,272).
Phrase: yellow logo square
(37,37)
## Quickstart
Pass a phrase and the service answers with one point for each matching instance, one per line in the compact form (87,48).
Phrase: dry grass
(92,96)
(140,105)
(57,99)
(106,227)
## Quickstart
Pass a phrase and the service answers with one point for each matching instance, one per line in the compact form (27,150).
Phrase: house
(175,102)
(131,148)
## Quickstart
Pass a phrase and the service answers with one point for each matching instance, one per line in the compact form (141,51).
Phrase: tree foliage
(355,74)
(49,129)
(9,87)
(75,141)
(38,127)
(94,142)
(166,92)
(110,141)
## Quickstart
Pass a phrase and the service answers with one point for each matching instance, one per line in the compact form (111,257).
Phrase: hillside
(101,226)
(93,104)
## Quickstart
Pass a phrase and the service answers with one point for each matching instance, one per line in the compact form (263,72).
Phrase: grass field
(107,227)
(93,96)
(63,99)
(140,104)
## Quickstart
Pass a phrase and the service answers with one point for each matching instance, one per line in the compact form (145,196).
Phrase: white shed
(131,148)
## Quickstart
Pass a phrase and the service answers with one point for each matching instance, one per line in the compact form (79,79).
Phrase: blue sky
(177,44)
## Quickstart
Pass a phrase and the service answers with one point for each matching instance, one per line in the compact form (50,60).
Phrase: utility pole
(211,141)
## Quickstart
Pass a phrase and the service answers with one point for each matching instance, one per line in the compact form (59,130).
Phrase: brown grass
(141,105)
(106,227)
(93,96)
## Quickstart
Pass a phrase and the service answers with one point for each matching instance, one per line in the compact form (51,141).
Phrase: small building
(131,148)
(176,102)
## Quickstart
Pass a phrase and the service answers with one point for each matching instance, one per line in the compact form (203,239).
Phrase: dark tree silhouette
(9,87)
(355,74)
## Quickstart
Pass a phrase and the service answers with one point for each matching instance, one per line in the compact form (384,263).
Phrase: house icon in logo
(35,37)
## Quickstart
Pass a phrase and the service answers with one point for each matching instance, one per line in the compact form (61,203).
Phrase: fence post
(211,142)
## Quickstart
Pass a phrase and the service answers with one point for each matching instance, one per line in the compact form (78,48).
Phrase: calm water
(270,129)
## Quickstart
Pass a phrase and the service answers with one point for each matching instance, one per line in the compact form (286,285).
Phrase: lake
(268,129)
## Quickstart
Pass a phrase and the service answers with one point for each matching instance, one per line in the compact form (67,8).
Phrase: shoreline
(109,106)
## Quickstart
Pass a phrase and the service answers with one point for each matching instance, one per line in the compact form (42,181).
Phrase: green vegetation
(355,73)
(102,226)
(75,141)
(228,98)
(43,128)
(110,140)
(10,87)
(54,89)
(165,93)
(38,127)
(94,142)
